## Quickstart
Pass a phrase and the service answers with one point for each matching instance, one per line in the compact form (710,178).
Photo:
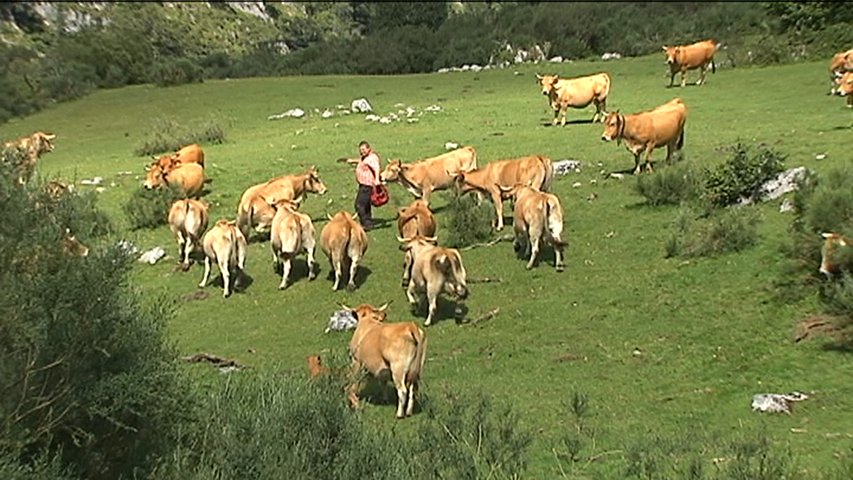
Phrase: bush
(468,223)
(742,175)
(177,72)
(167,135)
(671,186)
(724,230)
(150,208)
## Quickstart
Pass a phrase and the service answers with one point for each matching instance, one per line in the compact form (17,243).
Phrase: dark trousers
(363,206)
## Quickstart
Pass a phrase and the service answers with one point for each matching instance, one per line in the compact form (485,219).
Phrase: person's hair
(364,144)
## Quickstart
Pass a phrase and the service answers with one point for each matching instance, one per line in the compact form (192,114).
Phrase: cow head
(614,124)
(835,254)
(42,142)
(392,171)
(155,176)
(845,84)
(671,54)
(313,183)
(547,82)
(367,312)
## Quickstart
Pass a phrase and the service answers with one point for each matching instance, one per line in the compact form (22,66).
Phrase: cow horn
(328,215)
(403,240)
(432,239)
(354,216)
(346,307)
(384,306)
(538,77)
(825,235)
(50,136)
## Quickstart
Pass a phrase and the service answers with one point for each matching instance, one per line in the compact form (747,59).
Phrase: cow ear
(825,235)
(556,77)
(664,48)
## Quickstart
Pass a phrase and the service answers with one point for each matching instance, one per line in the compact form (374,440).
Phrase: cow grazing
(188,220)
(841,63)
(845,87)
(423,177)
(682,58)
(384,349)
(434,270)
(188,154)
(835,254)
(292,233)
(254,212)
(645,131)
(31,147)
(188,178)
(577,92)
(536,170)
(416,219)
(537,217)
(343,239)
(225,245)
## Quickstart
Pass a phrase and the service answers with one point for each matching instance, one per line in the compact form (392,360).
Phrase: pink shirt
(363,173)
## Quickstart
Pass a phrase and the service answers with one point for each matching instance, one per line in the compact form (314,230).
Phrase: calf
(577,92)
(416,219)
(32,147)
(189,178)
(645,131)
(682,58)
(343,239)
(426,176)
(434,270)
(292,233)
(188,220)
(225,245)
(538,216)
(835,255)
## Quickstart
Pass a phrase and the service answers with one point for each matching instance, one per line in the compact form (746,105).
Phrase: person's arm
(348,160)
(377,169)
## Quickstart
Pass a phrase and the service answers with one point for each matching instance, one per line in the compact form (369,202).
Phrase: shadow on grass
(361,275)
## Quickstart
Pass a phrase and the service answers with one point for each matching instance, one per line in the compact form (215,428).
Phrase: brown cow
(423,177)
(254,212)
(645,131)
(188,220)
(682,58)
(292,233)
(538,216)
(835,254)
(316,369)
(416,219)
(384,349)
(535,169)
(32,147)
(72,246)
(845,87)
(227,246)
(343,239)
(434,270)
(576,93)
(188,178)
(841,63)
(188,154)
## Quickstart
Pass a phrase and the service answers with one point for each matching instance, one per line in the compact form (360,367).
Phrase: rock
(152,256)
(783,183)
(820,156)
(327,113)
(557,59)
(577,185)
(371,117)
(451,145)
(787,206)
(361,105)
(563,167)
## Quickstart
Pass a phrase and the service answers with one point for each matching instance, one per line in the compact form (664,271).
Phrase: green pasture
(662,347)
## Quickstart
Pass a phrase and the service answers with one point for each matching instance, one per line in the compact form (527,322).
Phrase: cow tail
(233,259)
(553,217)
(244,218)
(680,143)
(713,66)
(417,366)
(549,174)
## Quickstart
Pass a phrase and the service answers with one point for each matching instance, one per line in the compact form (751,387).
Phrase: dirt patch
(816,325)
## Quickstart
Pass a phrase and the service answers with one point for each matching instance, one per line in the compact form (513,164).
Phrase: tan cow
(188,178)
(682,58)
(72,246)
(292,233)
(189,154)
(423,177)
(434,270)
(537,217)
(845,87)
(577,92)
(536,170)
(31,147)
(225,245)
(416,219)
(188,220)
(835,255)
(384,349)
(343,239)
(254,212)
(645,131)
(841,63)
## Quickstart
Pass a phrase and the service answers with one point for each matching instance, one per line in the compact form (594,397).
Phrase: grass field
(663,348)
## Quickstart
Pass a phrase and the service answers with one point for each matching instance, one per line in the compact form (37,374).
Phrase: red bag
(379,196)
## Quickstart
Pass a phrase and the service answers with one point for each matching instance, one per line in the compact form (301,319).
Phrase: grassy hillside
(663,348)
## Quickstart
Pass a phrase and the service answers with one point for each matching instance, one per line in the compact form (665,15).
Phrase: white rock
(476,68)
(152,256)
(451,146)
(820,156)
(371,117)
(327,114)
(576,184)
(94,181)
(443,70)
(787,206)
(361,105)
(557,59)
(618,176)
(433,108)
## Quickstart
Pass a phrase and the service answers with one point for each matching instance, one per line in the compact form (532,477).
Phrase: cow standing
(536,170)
(434,270)
(577,92)
(380,348)
(841,63)
(292,233)
(31,147)
(188,178)
(835,254)
(426,176)
(254,212)
(225,245)
(538,217)
(416,219)
(645,131)
(343,239)
(682,58)
(188,220)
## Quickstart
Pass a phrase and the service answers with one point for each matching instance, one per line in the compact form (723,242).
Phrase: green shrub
(741,176)
(466,222)
(42,467)
(167,135)
(150,208)
(671,186)
(177,72)
(724,230)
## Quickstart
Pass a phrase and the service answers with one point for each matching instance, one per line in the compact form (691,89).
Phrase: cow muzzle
(461,292)
(605,138)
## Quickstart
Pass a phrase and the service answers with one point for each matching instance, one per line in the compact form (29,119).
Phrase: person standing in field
(367,177)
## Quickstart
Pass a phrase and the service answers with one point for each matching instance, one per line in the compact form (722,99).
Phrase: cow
(682,58)
(254,212)
(292,233)
(434,270)
(189,154)
(576,92)
(384,349)
(841,63)
(538,216)
(845,87)
(31,147)
(73,247)
(416,219)
(188,178)
(645,131)
(835,254)
(225,245)
(423,177)
(535,169)
(188,220)
(343,239)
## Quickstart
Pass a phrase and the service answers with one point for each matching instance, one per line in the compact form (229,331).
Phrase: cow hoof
(529,267)
(282,286)
(351,287)
(560,268)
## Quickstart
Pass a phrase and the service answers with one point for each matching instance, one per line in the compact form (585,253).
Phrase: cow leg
(433,290)
(180,239)
(206,275)
(671,78)
(556,116)
(410,403)
(411,293)
(336,266)
(407,269)
(398,374)
(312,272)
(637,163)
(701,75)
(425,193)
(563,112)
(226,277)
(649,159)
(496,199)
(189,242)
(683,78)
(285,272)
(534,250)
(353,269)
